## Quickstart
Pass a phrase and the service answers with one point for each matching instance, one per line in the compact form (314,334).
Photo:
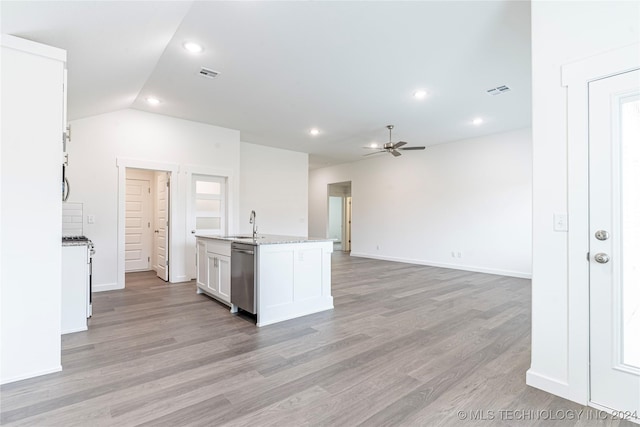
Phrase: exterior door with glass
(614,259)
(208,211)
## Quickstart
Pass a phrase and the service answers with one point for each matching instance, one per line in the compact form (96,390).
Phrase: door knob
(601,258)
(602,235)
(193,231)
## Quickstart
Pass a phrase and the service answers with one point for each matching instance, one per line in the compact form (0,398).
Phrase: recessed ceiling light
(477,121)
(193,47)
(373,145)
(314,132)
(420,94)
(153,101)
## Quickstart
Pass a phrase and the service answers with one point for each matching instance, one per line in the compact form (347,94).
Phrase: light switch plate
(560,222)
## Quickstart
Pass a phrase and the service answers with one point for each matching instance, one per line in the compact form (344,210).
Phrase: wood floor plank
(405,345)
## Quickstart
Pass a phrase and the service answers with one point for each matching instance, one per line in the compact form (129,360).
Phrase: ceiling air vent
(498,90)
(208,73)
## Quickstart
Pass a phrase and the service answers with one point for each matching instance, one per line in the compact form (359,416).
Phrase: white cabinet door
(214,268)
(213,273)
(201,259)
(224,278)
(219,271)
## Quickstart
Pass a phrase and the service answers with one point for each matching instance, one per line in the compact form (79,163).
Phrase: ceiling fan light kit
(392,148)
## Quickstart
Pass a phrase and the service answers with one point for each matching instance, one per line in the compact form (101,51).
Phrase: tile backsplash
(72,219)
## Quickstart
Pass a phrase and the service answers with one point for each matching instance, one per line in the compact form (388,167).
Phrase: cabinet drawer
(219,247)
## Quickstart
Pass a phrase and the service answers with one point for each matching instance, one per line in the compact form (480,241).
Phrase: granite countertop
(264,239)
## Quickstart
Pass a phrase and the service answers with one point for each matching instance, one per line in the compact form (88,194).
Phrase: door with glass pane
(614,211)
(208,211)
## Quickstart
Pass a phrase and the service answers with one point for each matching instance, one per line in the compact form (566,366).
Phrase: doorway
(146,225)
(207,211)
(614,242)
(138,217)
(339,215)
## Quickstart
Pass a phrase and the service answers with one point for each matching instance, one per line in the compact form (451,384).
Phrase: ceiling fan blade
(395,153)
(371,154)
(412,148)
(399,144)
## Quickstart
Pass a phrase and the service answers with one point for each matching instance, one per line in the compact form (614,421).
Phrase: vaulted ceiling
(345,68)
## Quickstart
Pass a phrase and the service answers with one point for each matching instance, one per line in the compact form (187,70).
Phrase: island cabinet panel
(309,272)
(292,274)
(214,269)
(278,272)
(293,280)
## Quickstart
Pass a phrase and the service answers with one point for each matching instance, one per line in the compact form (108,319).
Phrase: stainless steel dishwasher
(243,278)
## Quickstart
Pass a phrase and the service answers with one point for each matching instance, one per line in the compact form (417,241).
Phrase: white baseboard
(294,310)
(73,330)
(103,287)
(179,279)
(518,274)
(30,375)
(106,287)
(553,386)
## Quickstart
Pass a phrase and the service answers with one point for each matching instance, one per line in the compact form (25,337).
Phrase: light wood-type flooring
(406,345)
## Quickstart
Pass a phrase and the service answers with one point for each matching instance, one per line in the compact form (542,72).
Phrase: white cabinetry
(32,79)
(293,275)
(213,258)
(293,280)
(75,287)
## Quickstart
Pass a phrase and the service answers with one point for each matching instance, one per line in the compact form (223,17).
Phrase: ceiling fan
(392,148)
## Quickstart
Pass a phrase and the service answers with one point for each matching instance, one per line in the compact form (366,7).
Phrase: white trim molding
(173,169)
(576,77)
(476,269)
(232,200)
(107,287)
(31,375)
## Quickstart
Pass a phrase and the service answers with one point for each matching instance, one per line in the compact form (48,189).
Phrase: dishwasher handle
(242,251)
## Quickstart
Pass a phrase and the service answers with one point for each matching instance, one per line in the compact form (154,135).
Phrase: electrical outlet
(377,247)
(453,254)
(459,254)
(91,219)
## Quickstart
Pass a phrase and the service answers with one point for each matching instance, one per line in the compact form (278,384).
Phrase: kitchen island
(292,274)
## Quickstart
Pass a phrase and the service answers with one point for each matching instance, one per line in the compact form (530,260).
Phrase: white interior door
(614,199)
(138,225)
(346,241)
(208,209)
(162,226)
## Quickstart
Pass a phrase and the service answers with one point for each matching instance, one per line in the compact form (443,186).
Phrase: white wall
(31,200)
(273,182)
(471,197)
(99,141)
(562,32)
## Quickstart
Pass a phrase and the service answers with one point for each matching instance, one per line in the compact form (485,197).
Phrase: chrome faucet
(252,220)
